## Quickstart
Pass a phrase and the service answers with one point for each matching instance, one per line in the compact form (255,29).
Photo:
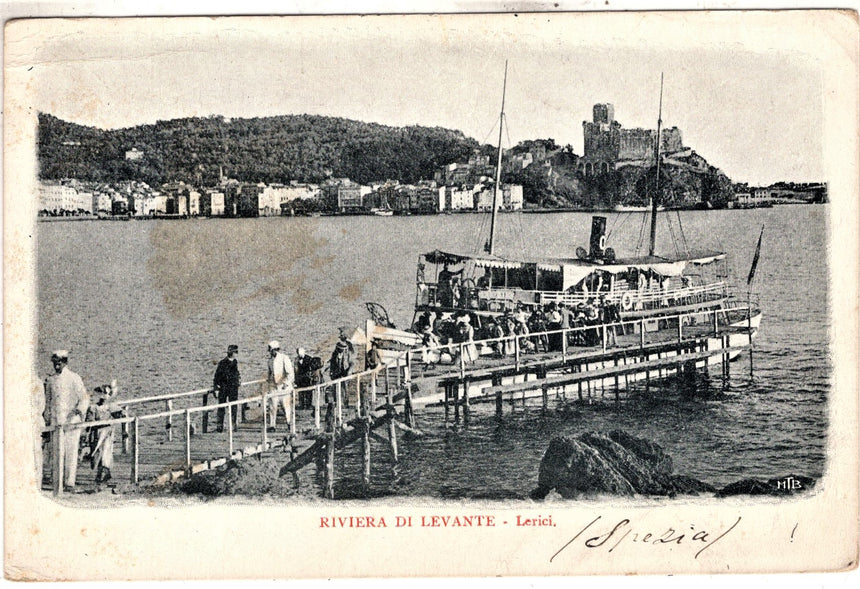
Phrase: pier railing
(146,424)
(156,415)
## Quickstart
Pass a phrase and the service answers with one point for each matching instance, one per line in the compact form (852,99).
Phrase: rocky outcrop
(620,464)
(617,464)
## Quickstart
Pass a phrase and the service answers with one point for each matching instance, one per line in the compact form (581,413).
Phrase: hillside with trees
(304,148)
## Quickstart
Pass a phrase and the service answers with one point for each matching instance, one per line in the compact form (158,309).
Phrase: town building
(133,154)
(61,199)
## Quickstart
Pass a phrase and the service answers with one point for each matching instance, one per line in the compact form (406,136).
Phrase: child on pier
(100,440)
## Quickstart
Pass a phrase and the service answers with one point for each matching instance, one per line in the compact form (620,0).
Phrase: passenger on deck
(591,319)
(427,318)
(553,322)
(444,289)
(466,336)
(430,342)
(537,324)
(494,330)
(507,323)
(455,292)
(606,314)
(579,321)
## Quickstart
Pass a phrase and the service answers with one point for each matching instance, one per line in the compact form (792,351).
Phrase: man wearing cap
(66,401)
(280,381)
(226,384)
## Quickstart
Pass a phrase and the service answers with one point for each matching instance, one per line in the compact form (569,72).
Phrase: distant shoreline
(540,211)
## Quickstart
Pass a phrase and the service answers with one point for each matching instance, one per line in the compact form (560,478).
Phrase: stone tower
(603,113)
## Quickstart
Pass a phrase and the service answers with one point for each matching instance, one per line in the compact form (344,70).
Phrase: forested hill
(305,148)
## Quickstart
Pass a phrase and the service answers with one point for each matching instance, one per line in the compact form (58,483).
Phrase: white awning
(572,274)
(497,263)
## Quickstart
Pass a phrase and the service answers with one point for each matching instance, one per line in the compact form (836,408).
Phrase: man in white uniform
(280,381)
(66,401)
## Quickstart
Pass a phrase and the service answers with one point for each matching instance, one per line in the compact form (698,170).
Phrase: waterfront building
(64,199)
(217,204)
(194,203)
(101,202)
(457,198)
(512,197)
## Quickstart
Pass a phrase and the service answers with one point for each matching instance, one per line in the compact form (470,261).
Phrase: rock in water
(650,452)
(617,464)
(572,467)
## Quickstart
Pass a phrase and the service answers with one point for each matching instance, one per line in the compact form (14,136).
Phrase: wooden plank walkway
(163,445)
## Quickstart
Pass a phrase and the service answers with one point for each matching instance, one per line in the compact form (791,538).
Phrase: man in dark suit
(226,384)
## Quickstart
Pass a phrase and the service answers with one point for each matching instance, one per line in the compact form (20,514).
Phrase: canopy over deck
(574,269)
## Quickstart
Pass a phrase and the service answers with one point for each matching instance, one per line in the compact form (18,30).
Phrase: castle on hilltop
(608,146)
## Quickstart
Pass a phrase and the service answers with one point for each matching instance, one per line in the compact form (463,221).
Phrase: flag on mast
(755,257)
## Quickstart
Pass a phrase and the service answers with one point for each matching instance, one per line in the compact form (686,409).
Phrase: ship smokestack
(597,243)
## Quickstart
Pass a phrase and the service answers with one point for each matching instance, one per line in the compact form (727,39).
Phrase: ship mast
(491,242)
(657,182)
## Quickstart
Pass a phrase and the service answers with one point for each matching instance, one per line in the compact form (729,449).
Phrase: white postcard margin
(167,539)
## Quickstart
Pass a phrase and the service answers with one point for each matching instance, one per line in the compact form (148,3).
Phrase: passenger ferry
(659,290)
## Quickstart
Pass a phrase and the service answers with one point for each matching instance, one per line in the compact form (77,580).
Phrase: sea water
(154,304)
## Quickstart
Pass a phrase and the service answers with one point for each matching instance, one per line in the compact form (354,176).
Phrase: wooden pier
(164,438)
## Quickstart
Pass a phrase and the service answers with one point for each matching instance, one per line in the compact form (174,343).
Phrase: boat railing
(499,298)
(606,336)
(153,422)
(437,294)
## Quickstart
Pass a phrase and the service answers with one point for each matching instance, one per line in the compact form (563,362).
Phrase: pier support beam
(169,425)
(135,448)
(392,427)
(264,403)
(466,407)
(124,432)
(328,489)
(365,442)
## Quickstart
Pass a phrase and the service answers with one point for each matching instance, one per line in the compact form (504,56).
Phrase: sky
(746,92)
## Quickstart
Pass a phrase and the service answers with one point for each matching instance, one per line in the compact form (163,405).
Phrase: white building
(217,204)
(512,197)
(151,205)
(58,198)
(269,200)
(143,206)
(194,203)
(101,202)
(133,154)
(483,199)
(457,199)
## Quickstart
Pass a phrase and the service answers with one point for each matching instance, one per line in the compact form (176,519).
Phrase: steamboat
(661,294)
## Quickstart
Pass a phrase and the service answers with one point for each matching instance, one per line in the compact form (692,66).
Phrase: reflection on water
(154,304)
